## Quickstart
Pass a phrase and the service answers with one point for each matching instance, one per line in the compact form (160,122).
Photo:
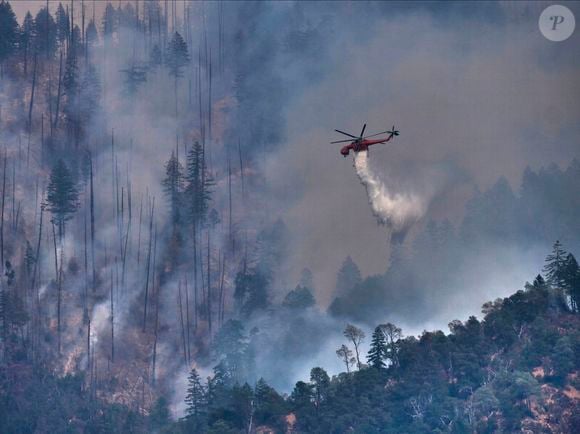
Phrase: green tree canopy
(62,195)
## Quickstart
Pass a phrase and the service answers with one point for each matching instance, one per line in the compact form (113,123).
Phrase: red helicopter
(360,143)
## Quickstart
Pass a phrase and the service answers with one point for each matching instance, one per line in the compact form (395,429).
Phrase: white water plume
(393,209)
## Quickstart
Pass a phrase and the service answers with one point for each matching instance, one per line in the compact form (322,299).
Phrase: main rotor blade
(346,134)
(363,130)
(377,134)
(341,141)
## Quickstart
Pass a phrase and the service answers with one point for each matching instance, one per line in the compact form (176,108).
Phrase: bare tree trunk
(126,237)
(195,277)
(92,206)
(86,260)
(112,321)
(32,93)
(180,306)
(139,231)
(2,212)
(14,195)
(148,266)
(89,346)
(230,232)
(58,93)
(188,322)
(222,293)
(156,307)
(37,265)
(58,289)
(208,284)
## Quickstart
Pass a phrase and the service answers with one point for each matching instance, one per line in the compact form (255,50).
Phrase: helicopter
(361,143)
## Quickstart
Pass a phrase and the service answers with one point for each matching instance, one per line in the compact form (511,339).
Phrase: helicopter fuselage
(361,145)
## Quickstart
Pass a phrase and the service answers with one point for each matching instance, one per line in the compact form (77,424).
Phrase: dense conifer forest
(150,280)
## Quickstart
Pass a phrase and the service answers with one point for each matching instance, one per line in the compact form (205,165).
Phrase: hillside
(516,370)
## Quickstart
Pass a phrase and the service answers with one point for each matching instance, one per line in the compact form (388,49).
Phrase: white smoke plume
(396,210)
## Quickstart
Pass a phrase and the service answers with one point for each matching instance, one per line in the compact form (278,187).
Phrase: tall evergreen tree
(176,59)
(62,196)
(177,55)
(299,298)
(348,277)
(62,25)
(555,267)
(45,33)
(109,21)
(198,185)
(251,291)
(196,402)
(320,386)
(26,39)
(8,32)
(71,88)
(230,351)
(173,187)
(378,350)
(91,34)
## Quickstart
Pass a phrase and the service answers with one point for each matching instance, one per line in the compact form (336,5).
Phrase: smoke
(396,210)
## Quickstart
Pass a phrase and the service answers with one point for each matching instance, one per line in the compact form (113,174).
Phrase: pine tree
(229,349)
(29,259)
(173,187)
(299,298)
(70,83)
(554,270)
(176,59)
(160,416)
(320,385)
(177,55)
(62,196)
(91,34)
(109,21)
(62,25)
(8,32)
(45,33)
(195,400)
(251,291)
(26,39)
(378,350)
(198,185)
(348,277)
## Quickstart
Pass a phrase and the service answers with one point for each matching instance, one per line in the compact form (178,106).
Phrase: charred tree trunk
(112,321)
(2,212)
(32,94)
(148,267)
(180,307)
(92,206)
(58,94)
(156,334)
(208,284)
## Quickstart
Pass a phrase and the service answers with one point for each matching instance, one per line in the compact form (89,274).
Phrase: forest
(150,279)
